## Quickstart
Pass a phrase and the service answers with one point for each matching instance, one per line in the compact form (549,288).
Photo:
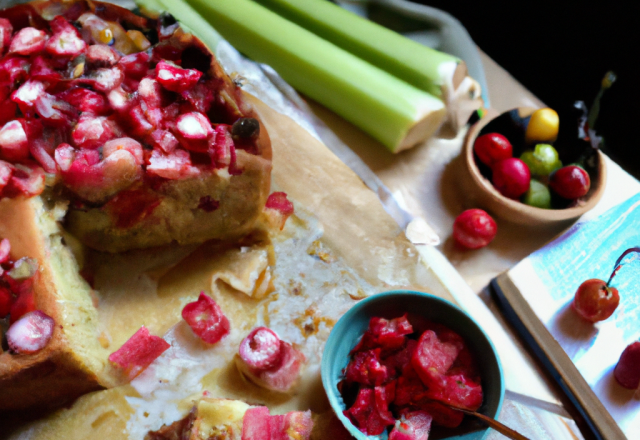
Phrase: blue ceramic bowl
(349,329)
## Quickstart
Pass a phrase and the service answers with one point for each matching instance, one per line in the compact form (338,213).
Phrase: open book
(536,296)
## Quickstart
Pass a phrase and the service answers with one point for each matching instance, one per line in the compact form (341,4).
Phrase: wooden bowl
(486,196)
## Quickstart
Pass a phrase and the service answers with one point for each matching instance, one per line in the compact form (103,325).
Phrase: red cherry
(511,177)
(474,228)
(595,301)
(570,182)
(492,148)
(627,371)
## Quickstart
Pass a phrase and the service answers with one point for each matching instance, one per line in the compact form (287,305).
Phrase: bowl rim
(326,363)
(510,207)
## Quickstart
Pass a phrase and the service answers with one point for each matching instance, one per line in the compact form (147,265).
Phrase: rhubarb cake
(117,132)
(132,121)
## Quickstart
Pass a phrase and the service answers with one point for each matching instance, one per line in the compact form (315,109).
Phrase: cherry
(492,148)
(474,228)
(570,182)
(511,177)
(627,371)
(596,300)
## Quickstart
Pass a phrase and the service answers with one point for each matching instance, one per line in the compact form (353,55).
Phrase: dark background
(561,50)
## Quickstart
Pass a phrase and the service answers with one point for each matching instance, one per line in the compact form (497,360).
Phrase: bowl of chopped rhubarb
(397,363)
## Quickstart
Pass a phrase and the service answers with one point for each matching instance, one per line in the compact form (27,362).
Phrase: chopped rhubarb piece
(120,100)
(54,111)
(260,350)
(31,333)
(151,92)
(193,130)
(126,143)
(38,149)
(365,368)
(64,156)
(28,41)
(135,65)
(279,202)
(386,334)
(5,250)
(14,69)
(5,35)
(383,396)
(165,140)
(138,122)
(414,425)
(295,425)
(27,95)
(409,391)
(66,43)
(176,165)
(433,357)
(92,131)
(106,79)
(206,319)
(399,362)
(6,171)
(24,303)
(13,142)
(284,376)
(138,352)
(201,95)
(100,55)
(256,424)
(27,180)
(369,416)
(361,408)
(176,79)
(6,300)
(221,147)
(86,100)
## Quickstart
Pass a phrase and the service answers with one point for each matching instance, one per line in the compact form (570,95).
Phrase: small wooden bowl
(486,196)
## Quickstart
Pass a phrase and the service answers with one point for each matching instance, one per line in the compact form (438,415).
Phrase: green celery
(425,68)
(394,112)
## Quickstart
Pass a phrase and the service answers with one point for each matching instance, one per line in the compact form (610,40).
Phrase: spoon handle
(493,423)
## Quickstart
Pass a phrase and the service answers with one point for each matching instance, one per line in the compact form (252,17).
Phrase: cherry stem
(617,266)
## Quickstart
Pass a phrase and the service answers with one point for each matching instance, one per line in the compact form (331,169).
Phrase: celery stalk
(189,19)
(389,109)
(425,68)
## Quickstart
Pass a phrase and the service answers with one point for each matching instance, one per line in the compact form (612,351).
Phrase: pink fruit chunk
(399,362)
(279,202)
(5,250)
(135,65)
(206,319)
(260,350)
(414,425)
(14,146)
(474,229)
(176,165)
(511,177)
(295,425)
(150,92)
(384,333)
(31,333)
(365,368)
(6,171)
(138,352)
(126,144)
(627,370)
(28,41)
(5,35)
(165,140)
(85,100)
(176,79)
(193,131)
(39,150)
(54,111)
(66,43)
(120,100)
(256,424)
(42,69)
(8,110)
(138,123)
(221,147)
(64,156)
(570,182)
(24,302)
(14,69)
(27,180)
(370,412)
(284,376)
(201,95)
(107,79)
(101,55)
(92,131)
(27,95)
